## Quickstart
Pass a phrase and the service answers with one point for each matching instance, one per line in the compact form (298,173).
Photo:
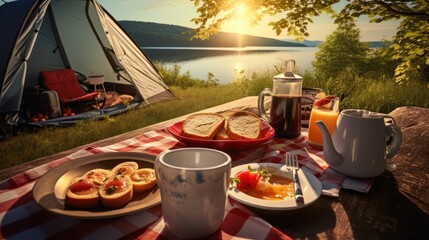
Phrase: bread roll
(82,194)
(143,179)
(125,168)
(244,126)
(117,191)
(202,125)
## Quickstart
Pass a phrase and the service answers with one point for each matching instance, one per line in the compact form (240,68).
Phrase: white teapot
(359,144)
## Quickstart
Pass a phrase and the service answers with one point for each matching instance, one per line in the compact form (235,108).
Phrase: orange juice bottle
(326,109)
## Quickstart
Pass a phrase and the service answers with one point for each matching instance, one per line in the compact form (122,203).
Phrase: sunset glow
(240,10)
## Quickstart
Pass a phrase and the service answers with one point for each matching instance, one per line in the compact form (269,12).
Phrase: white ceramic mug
(193,184)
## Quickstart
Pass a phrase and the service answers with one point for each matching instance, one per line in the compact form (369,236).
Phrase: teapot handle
(261,103)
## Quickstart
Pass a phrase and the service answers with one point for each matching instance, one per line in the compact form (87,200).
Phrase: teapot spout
(332,157)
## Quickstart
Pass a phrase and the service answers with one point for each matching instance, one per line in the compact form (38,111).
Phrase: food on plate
(82,194)
(241,125)
(244,125)
(115,188)
(203,125)
(99,176)
(125,168)
(268,184)
(117,191)
(143,179)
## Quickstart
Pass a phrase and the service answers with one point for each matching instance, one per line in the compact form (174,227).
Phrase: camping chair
(66,84)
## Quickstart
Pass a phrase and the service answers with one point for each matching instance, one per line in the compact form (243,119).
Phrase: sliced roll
(99,176)
(125,168)
(117,191)
(143,179)
(82,194)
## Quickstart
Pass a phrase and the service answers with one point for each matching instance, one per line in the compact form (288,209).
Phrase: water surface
(228,64)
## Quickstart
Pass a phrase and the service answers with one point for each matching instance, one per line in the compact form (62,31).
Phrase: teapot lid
(288,73)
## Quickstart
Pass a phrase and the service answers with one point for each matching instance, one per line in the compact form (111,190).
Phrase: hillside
(149,34)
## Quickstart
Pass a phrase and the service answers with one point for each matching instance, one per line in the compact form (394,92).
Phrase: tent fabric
(66,84)
(46,35)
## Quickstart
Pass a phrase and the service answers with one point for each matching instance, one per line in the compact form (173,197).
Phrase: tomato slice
(253,179)
(82,187)
(115,185)
(248,179)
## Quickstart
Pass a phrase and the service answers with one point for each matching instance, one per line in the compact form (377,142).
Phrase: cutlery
(292,165)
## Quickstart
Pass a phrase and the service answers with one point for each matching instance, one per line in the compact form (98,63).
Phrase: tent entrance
(80,35)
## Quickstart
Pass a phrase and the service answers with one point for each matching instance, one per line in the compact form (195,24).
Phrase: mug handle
(261,104)
(396,143)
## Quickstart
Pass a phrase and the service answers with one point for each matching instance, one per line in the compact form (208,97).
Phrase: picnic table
(394,205)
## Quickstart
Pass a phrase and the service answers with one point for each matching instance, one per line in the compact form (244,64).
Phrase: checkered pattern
(22,218)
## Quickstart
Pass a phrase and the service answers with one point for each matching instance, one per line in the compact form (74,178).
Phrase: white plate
(311,189)
(49,191)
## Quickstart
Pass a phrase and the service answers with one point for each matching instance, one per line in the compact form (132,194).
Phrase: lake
(228,64)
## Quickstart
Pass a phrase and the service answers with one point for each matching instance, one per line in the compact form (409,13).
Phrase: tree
(297,14)
(341,49)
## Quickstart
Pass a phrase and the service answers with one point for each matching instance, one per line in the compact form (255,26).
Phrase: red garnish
(82,187)
(248,179)
(323,101)
(116,185)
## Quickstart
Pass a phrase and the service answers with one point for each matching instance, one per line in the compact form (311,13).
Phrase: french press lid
(288,74)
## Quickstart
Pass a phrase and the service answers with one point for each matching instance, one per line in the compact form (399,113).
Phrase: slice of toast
(202,125)
(244,125)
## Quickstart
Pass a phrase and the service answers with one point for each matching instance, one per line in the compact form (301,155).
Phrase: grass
(375,93)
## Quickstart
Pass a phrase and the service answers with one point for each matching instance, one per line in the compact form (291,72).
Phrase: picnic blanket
(22,218)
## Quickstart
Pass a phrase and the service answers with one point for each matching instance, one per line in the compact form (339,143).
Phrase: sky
(180,12)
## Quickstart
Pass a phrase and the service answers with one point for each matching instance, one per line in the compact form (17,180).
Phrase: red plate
(267,133)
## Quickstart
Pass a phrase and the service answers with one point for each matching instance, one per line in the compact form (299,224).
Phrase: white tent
(38,35)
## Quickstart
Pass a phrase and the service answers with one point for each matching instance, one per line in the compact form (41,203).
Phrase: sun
(240,10)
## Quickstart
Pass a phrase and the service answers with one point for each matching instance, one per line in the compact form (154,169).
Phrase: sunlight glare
(240,10)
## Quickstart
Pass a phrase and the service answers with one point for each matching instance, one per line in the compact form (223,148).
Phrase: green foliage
(411,47)
(340,51)
(413,58)
(173,77)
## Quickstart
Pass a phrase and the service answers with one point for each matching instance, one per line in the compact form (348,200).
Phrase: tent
(77,34)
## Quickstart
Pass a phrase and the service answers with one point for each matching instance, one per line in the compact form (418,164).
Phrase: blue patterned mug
(194,184)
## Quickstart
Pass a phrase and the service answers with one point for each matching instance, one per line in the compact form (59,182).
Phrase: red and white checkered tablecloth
(22,218)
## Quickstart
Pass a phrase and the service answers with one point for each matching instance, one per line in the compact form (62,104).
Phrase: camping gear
(76,34)
(66,84)
(51,104)
(98,81)
(359,146)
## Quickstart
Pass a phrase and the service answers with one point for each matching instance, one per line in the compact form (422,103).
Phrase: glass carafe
(285,110)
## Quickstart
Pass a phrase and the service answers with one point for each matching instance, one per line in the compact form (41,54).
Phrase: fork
(292,165)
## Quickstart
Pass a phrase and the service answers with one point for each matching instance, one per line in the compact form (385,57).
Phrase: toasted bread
(222,134)
(143,179)
(82,194)
(117,191)
(244,126)
(202,125)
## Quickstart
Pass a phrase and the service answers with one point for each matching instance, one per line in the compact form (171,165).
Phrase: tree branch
(390,8)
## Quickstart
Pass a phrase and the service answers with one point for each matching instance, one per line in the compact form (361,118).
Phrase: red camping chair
(66,84)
